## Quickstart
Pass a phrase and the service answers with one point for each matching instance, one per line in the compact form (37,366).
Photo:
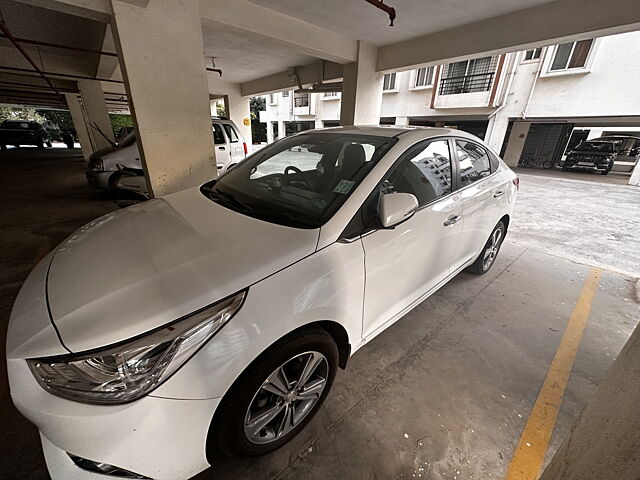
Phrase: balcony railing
(479,82)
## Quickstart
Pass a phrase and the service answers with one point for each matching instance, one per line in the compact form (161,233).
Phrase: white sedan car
(212,321)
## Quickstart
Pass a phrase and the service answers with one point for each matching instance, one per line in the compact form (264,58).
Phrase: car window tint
(424,170)
(474,162)
(231,133)
(218,136)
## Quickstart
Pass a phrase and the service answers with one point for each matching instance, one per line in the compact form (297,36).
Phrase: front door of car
(483,198)
(405,262)
(223,150)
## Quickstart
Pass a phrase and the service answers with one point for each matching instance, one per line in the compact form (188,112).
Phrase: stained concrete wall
(605,441)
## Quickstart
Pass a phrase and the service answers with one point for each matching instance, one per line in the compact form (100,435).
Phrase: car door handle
(498,194)
(220,148)
(451,220)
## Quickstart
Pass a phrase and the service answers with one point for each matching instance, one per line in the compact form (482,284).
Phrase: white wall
(610,88)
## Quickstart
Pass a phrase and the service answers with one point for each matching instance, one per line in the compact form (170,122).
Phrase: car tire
(49,144)
(490,251)
(3,147)
(232,432)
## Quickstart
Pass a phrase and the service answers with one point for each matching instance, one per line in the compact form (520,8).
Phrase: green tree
(120,121)
(258,129)
(20,113)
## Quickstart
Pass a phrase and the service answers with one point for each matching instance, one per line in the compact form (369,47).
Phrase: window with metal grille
(468,76)
(423,77)
(389,82)
(532,54)
(571,55)
(301,100)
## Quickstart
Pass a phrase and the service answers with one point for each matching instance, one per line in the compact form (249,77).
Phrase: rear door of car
(483,192)
(222,147)
(236,144)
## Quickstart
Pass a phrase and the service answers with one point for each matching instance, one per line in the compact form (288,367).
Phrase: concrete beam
(362,89)
(537,26)
(98,10)
(308,74)
(292,32)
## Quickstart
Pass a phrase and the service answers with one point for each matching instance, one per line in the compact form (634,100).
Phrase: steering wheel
(297,170)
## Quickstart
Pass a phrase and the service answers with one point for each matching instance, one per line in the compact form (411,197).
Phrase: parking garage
(528,371)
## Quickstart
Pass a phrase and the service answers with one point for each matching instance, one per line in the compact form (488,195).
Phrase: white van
(107,166)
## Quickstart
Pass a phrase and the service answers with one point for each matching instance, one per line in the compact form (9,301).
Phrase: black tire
(49,144)
(3,147)
(479,266)
(227,433)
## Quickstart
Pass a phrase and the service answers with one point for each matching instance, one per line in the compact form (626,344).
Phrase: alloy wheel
(286,397)
(491,252)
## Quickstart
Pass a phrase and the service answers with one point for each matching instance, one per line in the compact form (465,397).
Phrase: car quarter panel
(326,286)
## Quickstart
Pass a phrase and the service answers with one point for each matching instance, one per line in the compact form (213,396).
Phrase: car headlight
(131,369)
(96,165)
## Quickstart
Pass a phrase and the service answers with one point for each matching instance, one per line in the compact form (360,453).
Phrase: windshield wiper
(229,197)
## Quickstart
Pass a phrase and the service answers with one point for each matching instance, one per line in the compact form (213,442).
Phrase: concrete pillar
(496,131)
(270,138)
(160,47)
(237,107)
(635,176)
(362,89)
(318,123)
(515,144)
(79,123)
(97,115)
(605,440)
(282,131)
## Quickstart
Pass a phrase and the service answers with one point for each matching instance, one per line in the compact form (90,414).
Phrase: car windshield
(604,147)
(300,181)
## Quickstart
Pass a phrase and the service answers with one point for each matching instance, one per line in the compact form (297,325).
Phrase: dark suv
(597,156)
(23,132)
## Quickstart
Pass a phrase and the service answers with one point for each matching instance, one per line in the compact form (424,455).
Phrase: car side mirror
(395,208)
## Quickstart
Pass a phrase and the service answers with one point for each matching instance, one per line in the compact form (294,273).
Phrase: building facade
(530,104)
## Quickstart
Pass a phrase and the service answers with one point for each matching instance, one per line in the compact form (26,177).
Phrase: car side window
(424,171)
(231,133)
(474,162)
(218,136)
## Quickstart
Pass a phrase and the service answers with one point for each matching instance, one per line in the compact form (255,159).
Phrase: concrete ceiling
(362,21)
(243,56)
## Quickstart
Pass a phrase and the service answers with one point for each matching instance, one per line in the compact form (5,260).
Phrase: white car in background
(220,314)
(113,167)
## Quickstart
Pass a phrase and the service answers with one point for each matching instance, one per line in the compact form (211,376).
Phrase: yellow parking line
(529,455)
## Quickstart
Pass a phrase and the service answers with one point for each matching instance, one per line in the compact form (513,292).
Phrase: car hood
(136,269)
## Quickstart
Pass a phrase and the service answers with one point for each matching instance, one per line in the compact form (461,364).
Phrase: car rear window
(231,133)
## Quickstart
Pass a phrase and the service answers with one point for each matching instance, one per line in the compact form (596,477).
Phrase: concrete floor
(442,394)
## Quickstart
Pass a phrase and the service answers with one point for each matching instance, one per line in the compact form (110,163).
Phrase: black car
(23,132)
(597,156)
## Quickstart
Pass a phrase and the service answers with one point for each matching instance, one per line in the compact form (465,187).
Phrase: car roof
(394,131)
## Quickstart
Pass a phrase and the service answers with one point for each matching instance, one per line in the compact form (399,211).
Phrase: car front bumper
(158,438)
(584,166)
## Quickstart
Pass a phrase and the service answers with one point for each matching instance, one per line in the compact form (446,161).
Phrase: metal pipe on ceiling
(386,8)
(12,39)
